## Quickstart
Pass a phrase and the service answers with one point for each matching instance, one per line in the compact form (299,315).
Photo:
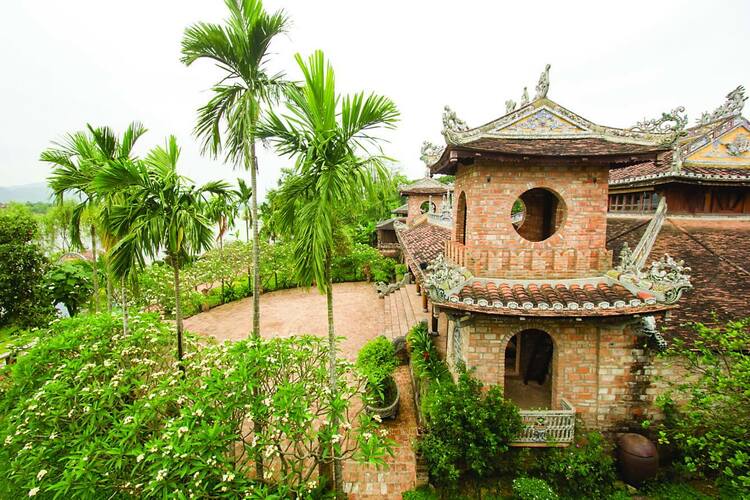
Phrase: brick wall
(597,366)
(414,202)
(495,249)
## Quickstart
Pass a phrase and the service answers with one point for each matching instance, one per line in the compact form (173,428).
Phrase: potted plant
(376,361)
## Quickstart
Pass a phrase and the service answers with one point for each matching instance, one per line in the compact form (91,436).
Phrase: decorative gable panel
(730,148)
(541,122)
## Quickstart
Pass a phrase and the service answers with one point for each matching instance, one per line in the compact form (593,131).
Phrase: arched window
(461,219)
(427,206)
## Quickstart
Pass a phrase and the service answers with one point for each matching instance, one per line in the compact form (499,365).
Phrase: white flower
(182,430)
(41,474)
(367,435)
(33,492)
(336,438)
(377,418)
(27,446)
(127,420)
(8,440)
(198,412)
(140,458)
(228,477)
(161,474)
(53,435)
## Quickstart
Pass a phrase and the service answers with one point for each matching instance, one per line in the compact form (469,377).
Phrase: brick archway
(529,367)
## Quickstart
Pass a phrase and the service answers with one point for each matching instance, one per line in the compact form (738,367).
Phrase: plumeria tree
(91,412)
(159,210)
(228,122)
(329,137)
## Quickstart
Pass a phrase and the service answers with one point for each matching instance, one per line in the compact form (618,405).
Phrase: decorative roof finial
(525,97)
(430,154)
(543,86)
(662,125)
(733,106)
(451,122)
(510,106)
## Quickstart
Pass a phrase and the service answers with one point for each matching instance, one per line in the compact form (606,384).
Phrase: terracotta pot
(638,458)
(390,410)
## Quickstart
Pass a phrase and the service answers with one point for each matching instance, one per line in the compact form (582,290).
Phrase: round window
(537,214)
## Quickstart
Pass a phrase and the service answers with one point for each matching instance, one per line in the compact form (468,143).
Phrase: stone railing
(389,245)
(455,253)
(443,220)
(548,427)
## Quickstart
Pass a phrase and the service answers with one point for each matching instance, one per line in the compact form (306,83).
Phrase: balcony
(547,428)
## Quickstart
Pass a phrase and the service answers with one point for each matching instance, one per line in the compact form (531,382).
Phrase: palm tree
(329,138)
(244,195)
(240,49)
(159,210)
(222,210)
(77,160)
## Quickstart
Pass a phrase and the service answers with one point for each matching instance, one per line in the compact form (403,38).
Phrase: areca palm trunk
(178,313)
(253,164)
(247,237)
(124,306)
(338,479)
(95,275)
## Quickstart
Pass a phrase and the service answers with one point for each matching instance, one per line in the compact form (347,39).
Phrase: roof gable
(726,146)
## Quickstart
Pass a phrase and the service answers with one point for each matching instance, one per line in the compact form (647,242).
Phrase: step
(401,313)
(411,319)
(387,317)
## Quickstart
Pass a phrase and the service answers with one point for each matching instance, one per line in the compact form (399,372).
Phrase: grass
(11,336)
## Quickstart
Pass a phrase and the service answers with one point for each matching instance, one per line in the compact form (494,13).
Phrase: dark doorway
(528,369)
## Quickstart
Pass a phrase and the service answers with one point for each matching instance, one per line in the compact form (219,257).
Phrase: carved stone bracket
(442,277)
(430,153)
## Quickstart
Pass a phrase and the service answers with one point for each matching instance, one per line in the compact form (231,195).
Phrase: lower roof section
(597,296)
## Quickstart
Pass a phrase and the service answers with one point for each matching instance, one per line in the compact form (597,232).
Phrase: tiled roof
(425,185)
(718,253)
(402,210)
(422,244)
(588,146)
(652,173)
(595,297)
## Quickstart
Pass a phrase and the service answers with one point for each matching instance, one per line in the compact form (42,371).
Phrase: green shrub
(424,356)
(670,491)
(376,361)
(704,427)
(421,493)
(584,470)
(468,429)
(71,283)
(528,488)
(400,270)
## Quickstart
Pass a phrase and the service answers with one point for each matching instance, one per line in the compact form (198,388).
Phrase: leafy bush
(92,413)
(70,283)
(468,429)
(23,299)
(527,488)
(376,361)
(705,428)
(421,493)
(670,491)
(424,356)
(585,470)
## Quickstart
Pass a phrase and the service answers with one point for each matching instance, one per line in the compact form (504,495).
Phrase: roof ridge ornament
(525,97)
(542,87)
(510,106)
(731,107)
(672,123)
(451,122)
(430,153)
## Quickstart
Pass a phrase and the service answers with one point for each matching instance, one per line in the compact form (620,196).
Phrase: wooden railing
(395,245)
(548,427)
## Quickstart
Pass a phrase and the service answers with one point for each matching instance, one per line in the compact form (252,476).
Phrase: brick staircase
(403,309)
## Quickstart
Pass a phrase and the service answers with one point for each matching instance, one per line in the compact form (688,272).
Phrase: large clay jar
(638,458)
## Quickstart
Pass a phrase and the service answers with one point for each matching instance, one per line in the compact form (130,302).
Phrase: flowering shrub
(527,488)
(70,283)
(92,413)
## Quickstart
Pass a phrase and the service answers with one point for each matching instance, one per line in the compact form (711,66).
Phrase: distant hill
(35,192)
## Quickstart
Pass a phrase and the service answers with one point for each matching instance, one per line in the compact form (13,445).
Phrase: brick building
(521,282)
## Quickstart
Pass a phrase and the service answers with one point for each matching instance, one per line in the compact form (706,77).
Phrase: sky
(65,64)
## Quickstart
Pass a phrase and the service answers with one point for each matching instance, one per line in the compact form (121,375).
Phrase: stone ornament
(670,277)
(525,97)
(510,106)
(430,152)
(731,107)
(542,87)
(672,123)
(451,122)
(442,277)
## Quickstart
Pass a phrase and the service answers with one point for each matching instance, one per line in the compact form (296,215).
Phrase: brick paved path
(359,315)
